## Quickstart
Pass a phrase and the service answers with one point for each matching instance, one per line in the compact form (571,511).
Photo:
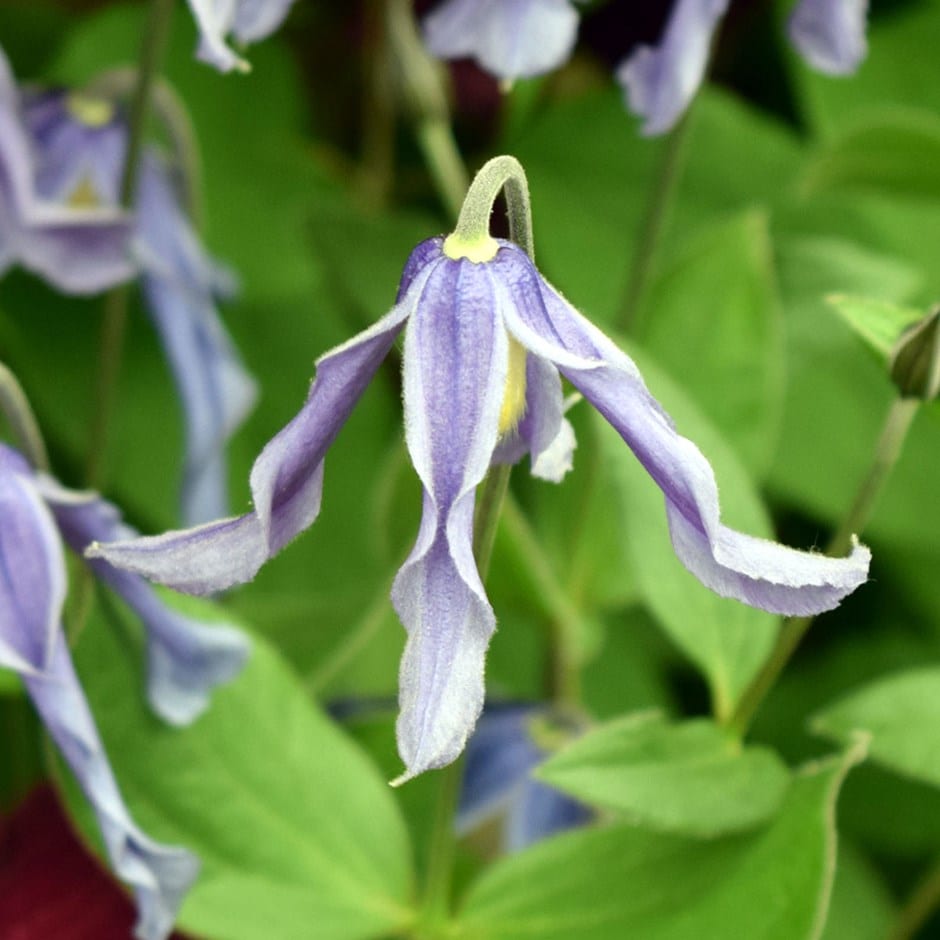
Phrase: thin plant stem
(421,85)
(19,413)
(117,301)
(564,619)
(918,908)
(655,215)
(887,450)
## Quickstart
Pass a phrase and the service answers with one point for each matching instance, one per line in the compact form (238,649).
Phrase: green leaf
(714,314)
(861,907)
(293,825)
(897,153)
(901,712)
(726,639)
(878,322)
(693,777)
(627,882)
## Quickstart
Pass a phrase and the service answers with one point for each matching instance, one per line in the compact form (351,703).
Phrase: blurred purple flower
(660,81)
(830,34)
(486,339)
(79,249)
(32,642)
(509,38)
(497,780)
(79,145)
(247,20)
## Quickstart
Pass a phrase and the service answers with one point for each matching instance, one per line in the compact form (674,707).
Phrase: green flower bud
(915,358)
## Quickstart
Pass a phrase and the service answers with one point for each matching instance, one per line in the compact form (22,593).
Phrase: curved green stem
(887,451)
(500,174)
(655,215)
(19,413)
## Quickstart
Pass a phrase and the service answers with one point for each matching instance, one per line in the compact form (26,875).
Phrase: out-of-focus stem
(114,323)
(887,450)
(19,413)
(919,907)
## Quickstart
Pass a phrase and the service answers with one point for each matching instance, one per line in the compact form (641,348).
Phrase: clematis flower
(660,81)
(78,249)
(79,144)
(830,34)
(32,642)
(498,785)
(485,340)
(509,38)
(247,20)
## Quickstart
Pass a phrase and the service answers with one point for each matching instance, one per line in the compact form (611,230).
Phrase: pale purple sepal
(455,366)
(180,284)
(661,80)
(509,38)
(830,34)
(247,20)
(77,250)
(32,570)
(286,479)
(186,658)
(159,875)
(756,571)
(498,784)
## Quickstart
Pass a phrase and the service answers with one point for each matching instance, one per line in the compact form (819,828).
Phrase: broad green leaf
(693,777)
(901,712)
(878,322)
(861,906)
(896,152)
(293,825)
(622,881)
(713,320)
(727,640)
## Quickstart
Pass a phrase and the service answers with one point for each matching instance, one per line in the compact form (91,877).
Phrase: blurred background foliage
(794,187)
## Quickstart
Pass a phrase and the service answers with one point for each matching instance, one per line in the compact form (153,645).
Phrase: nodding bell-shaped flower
(486,340)
(508,743)
(35,515)
(79,143)
(77,248)
(509,38)
(660,81)
(247,20)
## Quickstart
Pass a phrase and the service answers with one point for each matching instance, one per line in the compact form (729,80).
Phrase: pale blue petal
(509,38)
(830,34)
(247,20)
(186,658)
(755,571)
(661,80)
(32,570)
(158,875)
(216,390)
(455,365)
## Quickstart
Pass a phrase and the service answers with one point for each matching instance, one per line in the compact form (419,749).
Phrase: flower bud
(915,358)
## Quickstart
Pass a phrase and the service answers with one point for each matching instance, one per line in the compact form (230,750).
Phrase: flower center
(84,196)
(92,112)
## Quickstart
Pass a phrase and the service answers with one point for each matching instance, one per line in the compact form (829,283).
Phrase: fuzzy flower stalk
(487,341)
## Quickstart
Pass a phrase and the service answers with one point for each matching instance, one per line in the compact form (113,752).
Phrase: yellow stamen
(514,395)
(84,196)
(479,251)
(92,112)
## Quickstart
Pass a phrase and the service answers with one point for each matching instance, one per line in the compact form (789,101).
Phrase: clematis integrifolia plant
(487,340)
(509,38)
(79,142)
(247,20)
(77,248)
(522,38)
(660,81)
(32,643)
